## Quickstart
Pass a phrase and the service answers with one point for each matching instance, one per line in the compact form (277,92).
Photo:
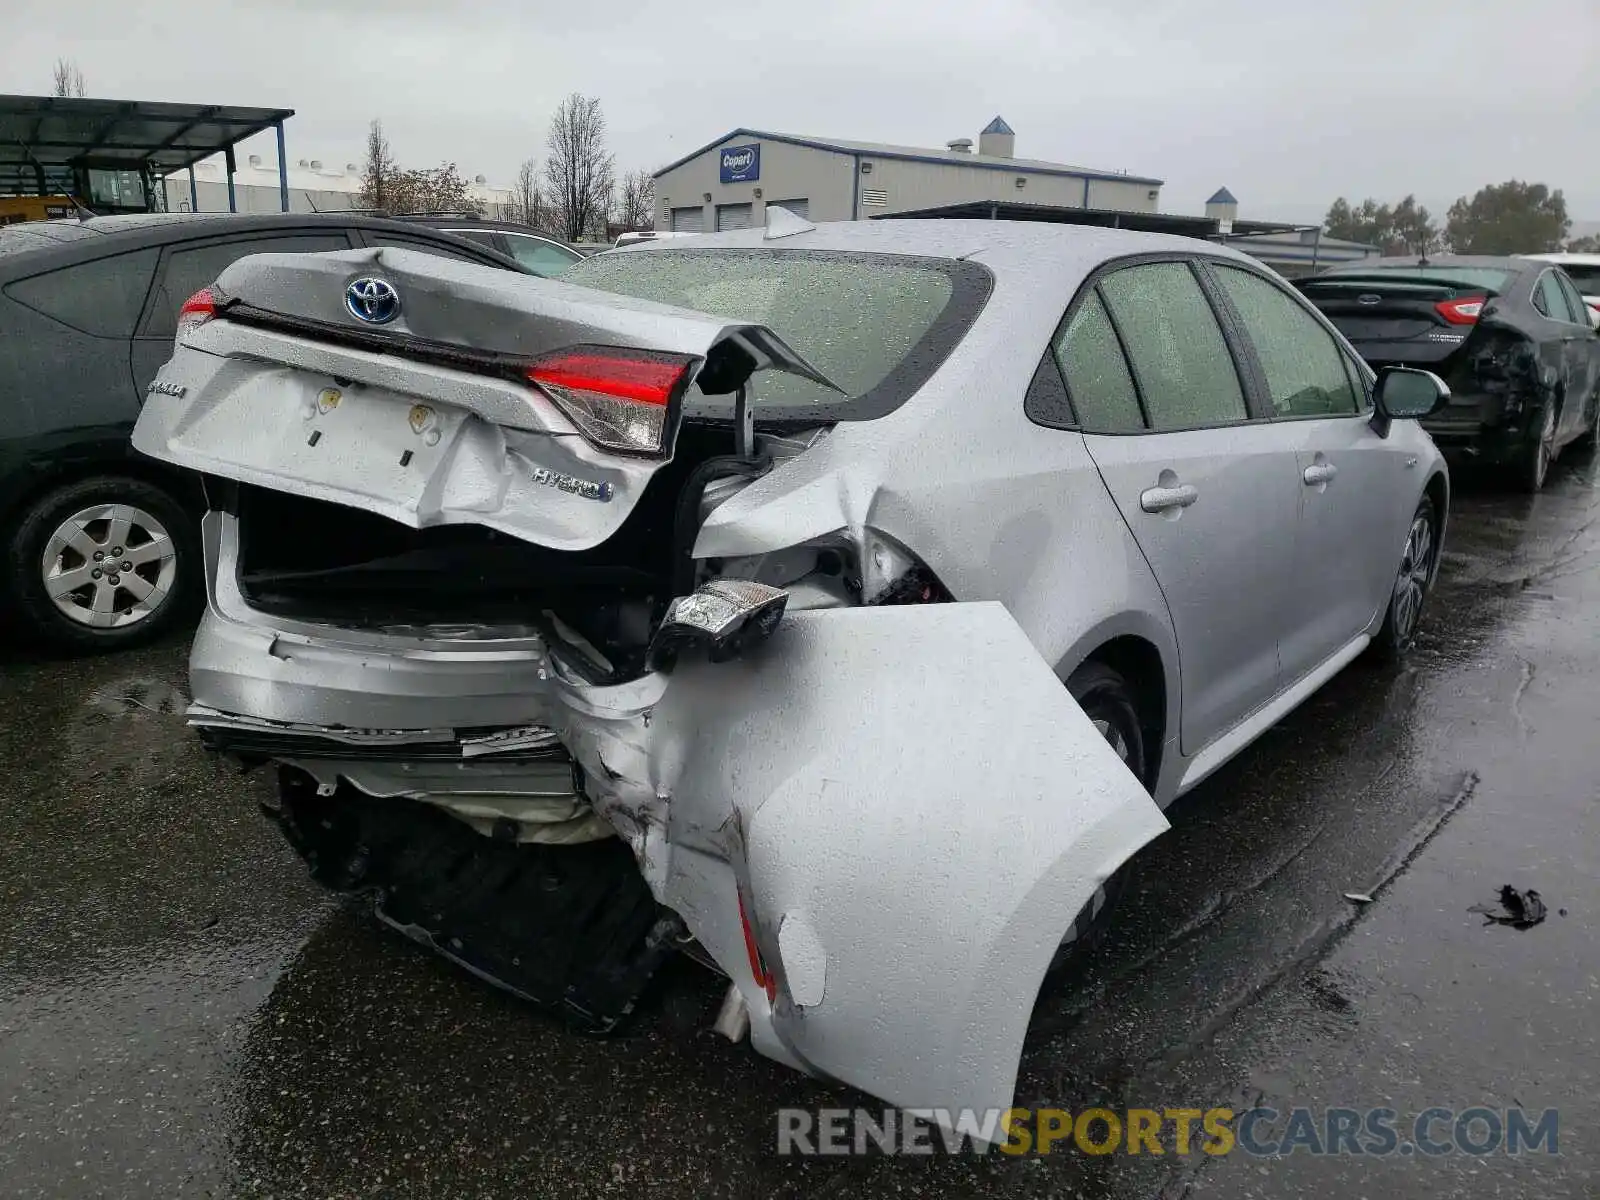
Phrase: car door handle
(1319,473)
(1161,499)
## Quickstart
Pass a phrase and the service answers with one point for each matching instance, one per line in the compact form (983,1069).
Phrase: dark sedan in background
(1512,337)
(99,545)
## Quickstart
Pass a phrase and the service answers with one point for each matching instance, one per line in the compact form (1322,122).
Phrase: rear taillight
(1463,311)
(197,310)
(624,400)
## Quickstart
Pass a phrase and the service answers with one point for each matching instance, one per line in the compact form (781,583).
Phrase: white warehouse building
(727,184)
(314,186)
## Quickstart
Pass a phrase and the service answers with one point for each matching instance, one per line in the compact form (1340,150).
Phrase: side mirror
(1406,393)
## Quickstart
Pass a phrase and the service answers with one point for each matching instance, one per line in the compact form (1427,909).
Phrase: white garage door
(733,216)
(800,208)
(689,220)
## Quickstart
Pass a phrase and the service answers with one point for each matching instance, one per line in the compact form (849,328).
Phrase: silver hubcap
(1416,565)
(109,566)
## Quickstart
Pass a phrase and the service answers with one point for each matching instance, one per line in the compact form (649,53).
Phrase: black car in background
(100,544)
(539,252)
(1511,337)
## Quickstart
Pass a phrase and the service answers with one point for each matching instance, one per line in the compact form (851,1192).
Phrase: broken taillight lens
(623,400)
(198,309)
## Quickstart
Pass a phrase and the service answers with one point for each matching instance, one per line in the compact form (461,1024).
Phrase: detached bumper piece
(572,929)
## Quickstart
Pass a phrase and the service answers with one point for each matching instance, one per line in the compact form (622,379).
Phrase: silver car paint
(989,500)
(428,446)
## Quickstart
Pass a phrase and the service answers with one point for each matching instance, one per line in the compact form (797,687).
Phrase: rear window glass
(1492,278)
(102,297)
(877,325)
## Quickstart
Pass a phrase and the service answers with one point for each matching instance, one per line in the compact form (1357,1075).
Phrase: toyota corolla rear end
(1443,318)
(475,588)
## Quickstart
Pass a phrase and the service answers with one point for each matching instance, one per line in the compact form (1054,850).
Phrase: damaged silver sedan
(840,605)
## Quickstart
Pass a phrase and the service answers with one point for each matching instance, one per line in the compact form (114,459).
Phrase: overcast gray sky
(1287,102)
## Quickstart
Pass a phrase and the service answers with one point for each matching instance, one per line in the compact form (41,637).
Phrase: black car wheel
(1411,585)
(102,564)
(1539,452)
(1108,702)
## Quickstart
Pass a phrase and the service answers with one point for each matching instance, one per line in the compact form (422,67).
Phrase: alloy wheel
(1411,585)
(109,566)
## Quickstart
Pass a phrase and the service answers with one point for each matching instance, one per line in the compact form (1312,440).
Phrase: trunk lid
(422,410)
(1394,319)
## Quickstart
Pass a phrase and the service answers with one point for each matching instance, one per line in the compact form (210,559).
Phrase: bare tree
(578,167)
(69,79)
(636,207)
(526,205)
(380,173)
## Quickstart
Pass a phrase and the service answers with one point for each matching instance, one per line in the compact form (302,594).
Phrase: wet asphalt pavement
(183,1013)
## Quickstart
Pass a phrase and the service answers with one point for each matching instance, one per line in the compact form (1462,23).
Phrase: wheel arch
(1152,675)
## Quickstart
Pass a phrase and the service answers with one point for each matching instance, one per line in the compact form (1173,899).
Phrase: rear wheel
(1109,703)
(1589,439)
(1539,453)
(101,564)
(1411,585)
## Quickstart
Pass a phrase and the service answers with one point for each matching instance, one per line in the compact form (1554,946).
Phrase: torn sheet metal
(842,782)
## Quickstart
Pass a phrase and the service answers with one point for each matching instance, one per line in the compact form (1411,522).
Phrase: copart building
(728,184)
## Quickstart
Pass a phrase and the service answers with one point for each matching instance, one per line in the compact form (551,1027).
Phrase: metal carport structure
(53,145)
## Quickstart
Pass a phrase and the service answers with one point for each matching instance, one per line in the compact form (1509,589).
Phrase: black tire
(1108,701)
(1589,440)
(1533,466)
(169,584)
(1413,582)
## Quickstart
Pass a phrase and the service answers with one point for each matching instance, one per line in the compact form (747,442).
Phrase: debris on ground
(1358,897)
(1520,910)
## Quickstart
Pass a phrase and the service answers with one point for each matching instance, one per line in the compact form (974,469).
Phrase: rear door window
(1547,298)
(1575,306)
(102,297)
(1305,371)
(1181,362)
(188,268)
(1098,381)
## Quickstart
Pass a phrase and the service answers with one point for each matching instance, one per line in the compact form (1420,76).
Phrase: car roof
(131,231)
(1558,257)
(1052,254)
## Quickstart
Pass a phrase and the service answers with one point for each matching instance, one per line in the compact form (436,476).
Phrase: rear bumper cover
(885,897)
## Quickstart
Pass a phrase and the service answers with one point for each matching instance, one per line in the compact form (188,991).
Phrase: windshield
(877,325)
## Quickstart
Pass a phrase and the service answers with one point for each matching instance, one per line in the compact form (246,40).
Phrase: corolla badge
(372,300)
(1368,298)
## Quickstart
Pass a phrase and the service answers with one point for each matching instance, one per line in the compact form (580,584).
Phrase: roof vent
(960,146)
(305,162)
(352,169)
(255,160)
(479,179)
(316,164)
